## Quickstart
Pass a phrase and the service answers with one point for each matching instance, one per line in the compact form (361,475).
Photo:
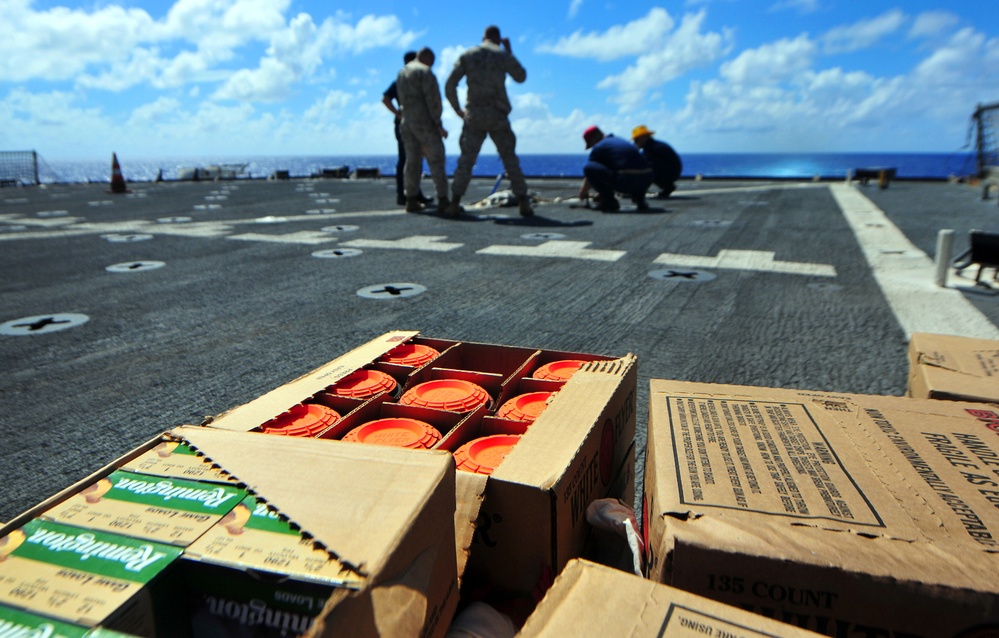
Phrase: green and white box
(157,508)
(82,576)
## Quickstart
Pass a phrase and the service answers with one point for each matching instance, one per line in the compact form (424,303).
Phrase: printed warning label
(759,456)
(684,622)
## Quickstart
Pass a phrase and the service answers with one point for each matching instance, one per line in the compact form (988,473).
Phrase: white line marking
(416,242)
(309,237)
(750,189)
(758,260)
(906,274)
(66,226)
(555,248)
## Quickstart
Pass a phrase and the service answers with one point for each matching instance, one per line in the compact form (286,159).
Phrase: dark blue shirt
(617,154)
(663,159)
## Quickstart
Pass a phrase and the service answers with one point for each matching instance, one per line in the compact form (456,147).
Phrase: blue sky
(154,79)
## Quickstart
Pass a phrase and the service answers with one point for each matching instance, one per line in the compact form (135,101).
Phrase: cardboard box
(373,543)
(844,514)
(176,459)
(156,508)
(588,599)
(533,518)
(953,368)
(383,517)
(22,624)
(81,576)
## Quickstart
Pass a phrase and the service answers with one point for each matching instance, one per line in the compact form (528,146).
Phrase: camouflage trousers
(497,126)
(423,140)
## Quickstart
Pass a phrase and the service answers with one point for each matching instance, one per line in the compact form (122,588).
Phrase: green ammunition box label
(178,494)
(21,624)
(265,519)
(93,552)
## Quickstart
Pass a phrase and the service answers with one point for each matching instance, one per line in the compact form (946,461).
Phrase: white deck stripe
(555,248)
(759,260)
(906,274)
(433,243)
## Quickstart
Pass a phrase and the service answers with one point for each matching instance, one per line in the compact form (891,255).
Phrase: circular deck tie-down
(42,324)
(391,291)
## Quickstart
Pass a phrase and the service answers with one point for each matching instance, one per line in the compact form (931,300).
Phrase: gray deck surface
(241,305)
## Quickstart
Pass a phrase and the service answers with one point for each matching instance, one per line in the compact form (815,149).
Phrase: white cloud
(633,38)
(444,63)
(574,7)
(774,96)
(329,108)
(771,63)
(184,68)
(113,48)
(678,53)
(863,33)
(270,82)
(933,23)
(142,65)
(370,32)
(298,51)
(60,43)
(164,109)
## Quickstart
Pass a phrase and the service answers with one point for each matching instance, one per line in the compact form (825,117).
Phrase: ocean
(708,165)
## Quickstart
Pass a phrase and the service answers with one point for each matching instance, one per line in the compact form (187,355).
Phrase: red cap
(454,395)
(592,135)
(363,383)
(410,354)
(402,432)
(483,455)
(302,420)
(558,370)
(525,407)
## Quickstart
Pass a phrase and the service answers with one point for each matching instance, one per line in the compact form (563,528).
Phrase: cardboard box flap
(952,367)
(405,478)
(877,482)
(885,466)
(880,557)
(974,357)
(589,599)
(470,491)
(553,440)
(283,398)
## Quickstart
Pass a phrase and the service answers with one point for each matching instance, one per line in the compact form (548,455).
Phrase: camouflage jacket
(485,67)
(419,94)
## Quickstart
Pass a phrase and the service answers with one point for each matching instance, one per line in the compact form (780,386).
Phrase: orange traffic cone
(117,180)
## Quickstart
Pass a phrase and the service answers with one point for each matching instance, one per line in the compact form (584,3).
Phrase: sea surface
(708,165)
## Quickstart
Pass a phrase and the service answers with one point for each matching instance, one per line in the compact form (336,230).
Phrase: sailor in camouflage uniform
(422,131)
(486,113)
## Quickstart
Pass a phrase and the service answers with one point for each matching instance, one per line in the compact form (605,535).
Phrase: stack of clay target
(525,407)
(364,384)
(396,432)
(558,370)
(410,354)
(453,395)
(305,419)
(484,454)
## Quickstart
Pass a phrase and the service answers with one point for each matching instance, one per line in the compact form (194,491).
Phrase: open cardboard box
(953,368)
(373,541)
(844,514)
(533,517)
(589,599)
